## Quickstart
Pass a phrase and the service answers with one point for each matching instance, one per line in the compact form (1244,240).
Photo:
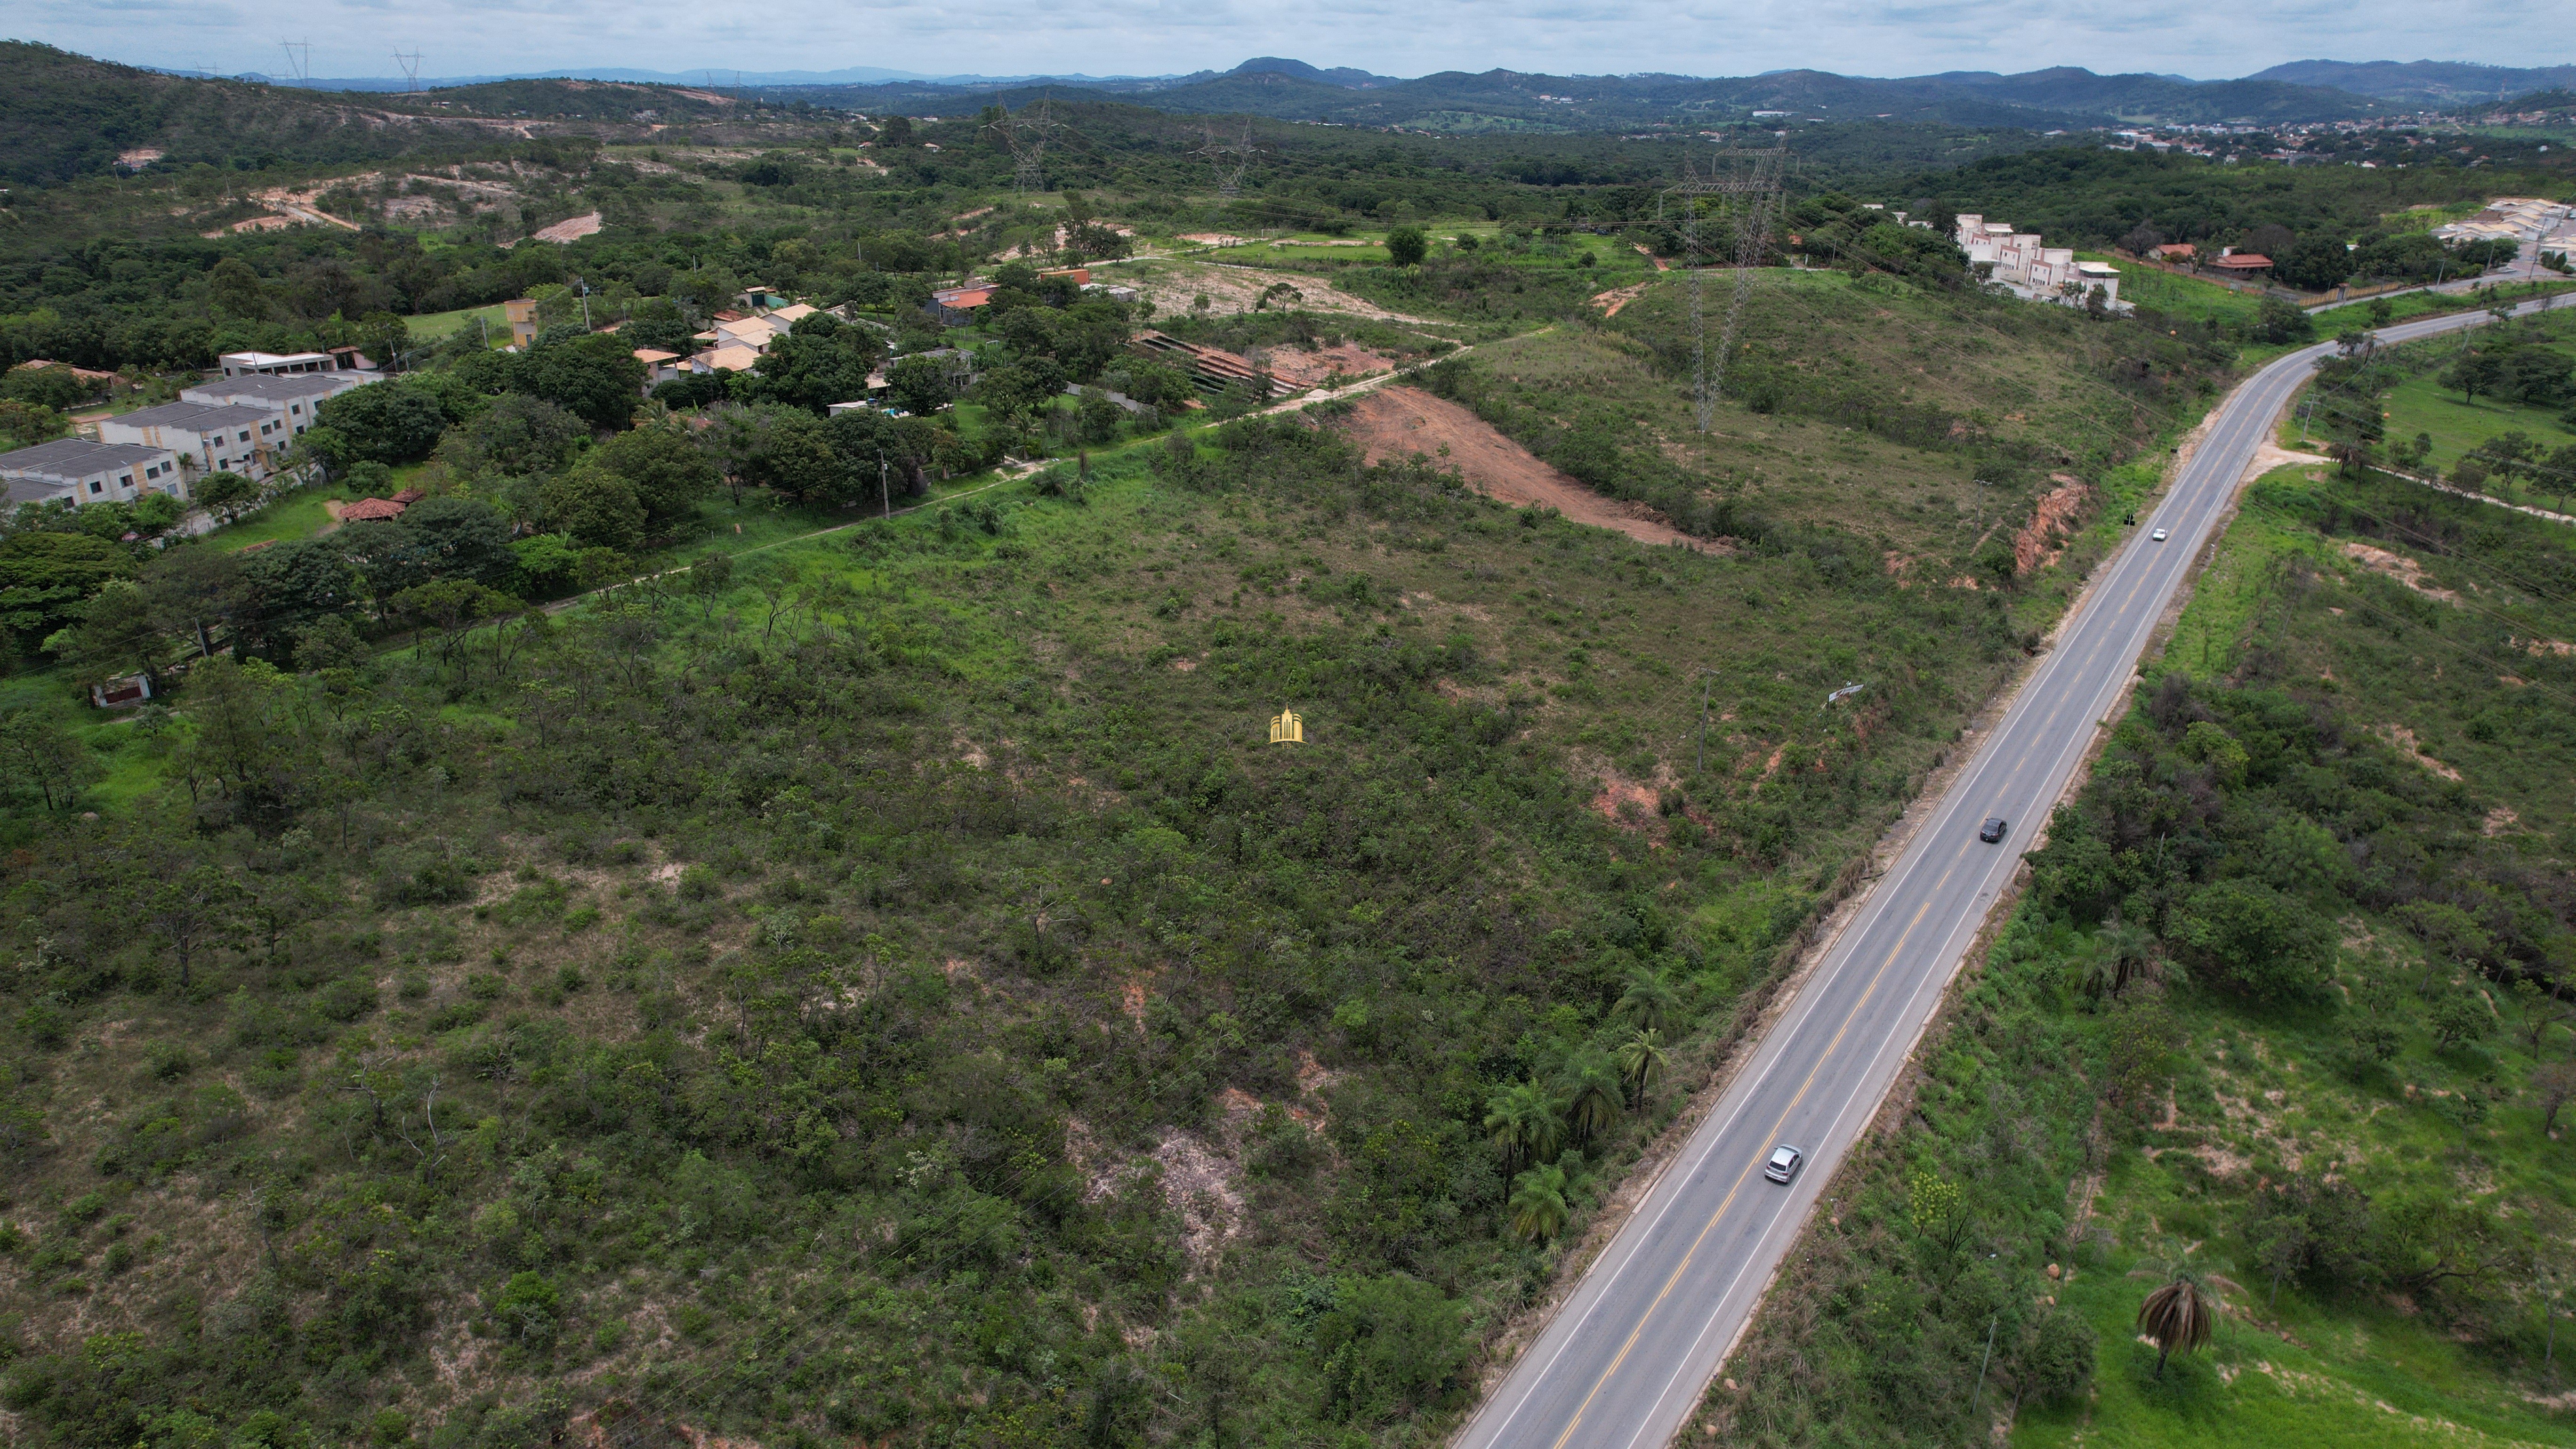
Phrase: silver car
(1784,1163)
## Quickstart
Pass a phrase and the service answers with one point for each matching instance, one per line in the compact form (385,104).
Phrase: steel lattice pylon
(1229,160)
(1750,181)
(1025,137)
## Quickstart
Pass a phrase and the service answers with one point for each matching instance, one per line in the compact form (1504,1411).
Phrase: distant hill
(2422,82)
(64,116)
(1292,90)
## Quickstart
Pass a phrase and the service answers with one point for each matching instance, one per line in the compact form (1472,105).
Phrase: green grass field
(438,326)
(2423,405)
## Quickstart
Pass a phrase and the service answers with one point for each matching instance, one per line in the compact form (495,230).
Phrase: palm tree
(2179,1315)
(1596,1101)
(1650,1000)
(2120,955)
(1523,1124)
(1642,1061)
(1538,1204)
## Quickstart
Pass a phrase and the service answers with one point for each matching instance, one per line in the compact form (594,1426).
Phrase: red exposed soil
(1311,369)
(1394,421)
(2043,538)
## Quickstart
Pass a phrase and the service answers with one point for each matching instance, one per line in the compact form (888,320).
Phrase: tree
(2249,938)
(25,424)
(1537,1208)
(58,389)
(2058,1364)
(2180,1316)
(2475,371)
(452,607)
(2461,1015)
(516,436)
(227,495)
(191,909)
(2552,1087)
(1406,246)
(386,422)
(820,363)
(667,469)
(1642,1060)
(791,453)
(595,506)
(288,587)
(117,634)
(2121,952)
(2279,1237)
(1649,1002)
(2538,1009)
(920,385)
(593,376)
(1593,1096)
(2316,265)
(235,290)
(1523,1124)
(191,588)
(2277,321)
(45,576)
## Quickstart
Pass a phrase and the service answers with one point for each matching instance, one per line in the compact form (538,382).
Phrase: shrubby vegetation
(2284,1002)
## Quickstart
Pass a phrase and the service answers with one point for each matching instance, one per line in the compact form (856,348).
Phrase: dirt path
(1396,420)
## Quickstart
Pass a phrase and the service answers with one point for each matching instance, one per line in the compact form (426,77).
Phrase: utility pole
(1980,1396)
(1707,677)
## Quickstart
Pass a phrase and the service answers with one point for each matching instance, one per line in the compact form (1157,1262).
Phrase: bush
(2246,937)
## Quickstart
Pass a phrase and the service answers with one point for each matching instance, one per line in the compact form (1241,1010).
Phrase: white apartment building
(2032,269)
(289,400)
(206,438)
(78,471)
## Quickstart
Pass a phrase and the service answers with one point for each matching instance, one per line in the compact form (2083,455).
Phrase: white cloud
(997,37)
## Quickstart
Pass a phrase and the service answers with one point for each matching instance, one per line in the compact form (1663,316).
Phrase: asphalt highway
(1625,1360)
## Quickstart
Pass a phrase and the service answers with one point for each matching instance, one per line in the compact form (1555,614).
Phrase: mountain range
(2076,93)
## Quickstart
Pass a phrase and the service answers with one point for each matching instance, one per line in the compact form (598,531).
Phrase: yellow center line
(1711,1226)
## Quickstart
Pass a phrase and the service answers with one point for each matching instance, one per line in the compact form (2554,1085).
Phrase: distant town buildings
(2515,219)
(2034,271)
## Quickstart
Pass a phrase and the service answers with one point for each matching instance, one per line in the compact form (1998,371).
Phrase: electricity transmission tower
(299,59)
(1025,136)
(1229,160)
(1747,187)
(410,63)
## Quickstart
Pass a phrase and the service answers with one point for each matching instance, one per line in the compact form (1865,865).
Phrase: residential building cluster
(2516,219)
(2020,262)
(240,419)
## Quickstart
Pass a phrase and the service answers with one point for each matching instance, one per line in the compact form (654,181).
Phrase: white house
(273,364)
(290,400)
(75,470)
(208,438)
(2033,270)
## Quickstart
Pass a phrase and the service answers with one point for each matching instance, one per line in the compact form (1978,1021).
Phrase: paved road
(1624,1362)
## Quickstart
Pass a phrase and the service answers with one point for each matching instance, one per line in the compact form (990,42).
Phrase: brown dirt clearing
(1394,421)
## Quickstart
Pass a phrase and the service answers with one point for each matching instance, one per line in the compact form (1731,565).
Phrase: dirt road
(1395,420)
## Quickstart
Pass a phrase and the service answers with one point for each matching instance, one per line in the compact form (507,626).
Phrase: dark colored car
(1993,830)
(1784,1163)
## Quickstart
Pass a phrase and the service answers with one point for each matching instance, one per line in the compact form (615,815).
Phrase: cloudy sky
(352,38)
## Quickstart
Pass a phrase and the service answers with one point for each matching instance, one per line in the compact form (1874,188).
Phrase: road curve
(1625,1360)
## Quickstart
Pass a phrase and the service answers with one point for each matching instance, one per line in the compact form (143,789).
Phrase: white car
(1784,1163)
(2158,535)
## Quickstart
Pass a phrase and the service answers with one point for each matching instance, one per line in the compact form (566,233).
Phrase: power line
(410,63)
(299,60)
